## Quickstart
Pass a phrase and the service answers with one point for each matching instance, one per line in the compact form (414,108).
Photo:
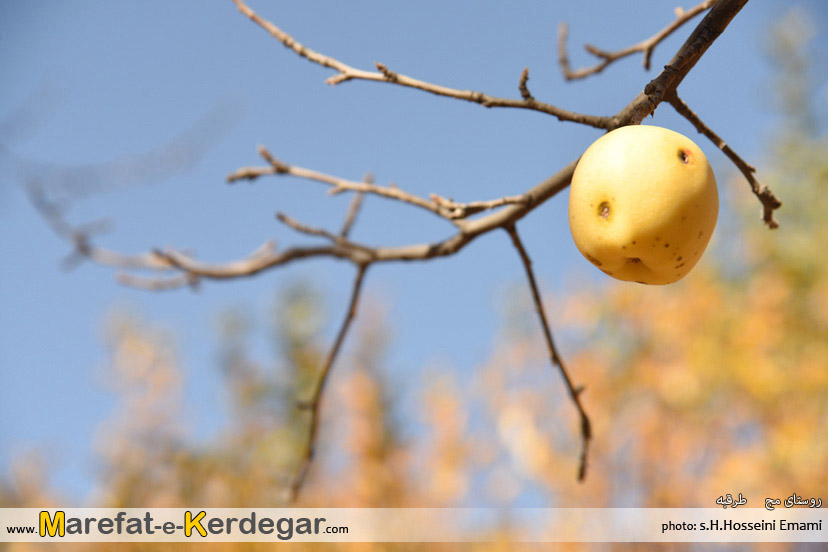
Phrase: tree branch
(769,201)
(607,57)
(440,206)
(463,210)
(338,185)
(353,209)
(268,256)
(346,73)
(705,33)
(81,238)
(554,356)
(313,404)
(321,233)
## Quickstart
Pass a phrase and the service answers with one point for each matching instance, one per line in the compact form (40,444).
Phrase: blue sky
(126,77)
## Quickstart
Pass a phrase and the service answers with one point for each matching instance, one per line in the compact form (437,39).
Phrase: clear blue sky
(131,75)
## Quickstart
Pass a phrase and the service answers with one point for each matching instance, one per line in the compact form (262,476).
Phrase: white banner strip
(413,525)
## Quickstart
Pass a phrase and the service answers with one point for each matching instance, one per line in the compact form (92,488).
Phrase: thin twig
(440,206)
(80,238)
(346,73)
(359,253)
(769,201)
(607,57)
(554,356)
(463,210)
(309,230)
(313,404)
(338,185)
(320,232)
(353,210)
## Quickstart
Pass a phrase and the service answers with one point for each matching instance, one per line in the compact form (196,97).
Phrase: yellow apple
(643,204)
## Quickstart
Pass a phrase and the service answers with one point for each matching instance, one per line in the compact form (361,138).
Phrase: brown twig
(338,239)
(440,206)
(350,216)
(266,258)
(554,356)
(463,210)
(309,230)
(353,208)
(607,57)
(313,403)
(769,201)
(338,185)
(346,73)
(80,238)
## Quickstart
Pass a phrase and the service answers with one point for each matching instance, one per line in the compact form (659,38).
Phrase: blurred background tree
(718,384)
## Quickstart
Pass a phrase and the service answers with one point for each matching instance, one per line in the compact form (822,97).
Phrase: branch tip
(317,393)
(346,72)
(386,72)
(766,197)
(523,87)
(554,356)
(607,57)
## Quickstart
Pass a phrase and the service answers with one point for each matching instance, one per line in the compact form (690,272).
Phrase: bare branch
(705,33)
(252,264)
(309,230)
(79,237)
(314,402)
(440,206)
(353,210)
(338,185)
(345,73)
(322,233)
(554,356)
(607,57)
(769,201)
(463,210)
(267,257)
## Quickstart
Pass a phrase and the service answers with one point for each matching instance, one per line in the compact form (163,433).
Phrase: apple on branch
(643,204)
